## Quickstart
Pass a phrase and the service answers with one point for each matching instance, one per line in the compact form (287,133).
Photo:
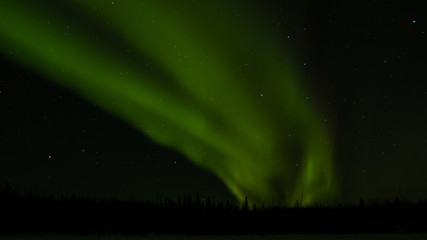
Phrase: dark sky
(366,62)
(53,139)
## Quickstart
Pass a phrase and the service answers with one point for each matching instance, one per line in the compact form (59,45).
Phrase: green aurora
(217,86)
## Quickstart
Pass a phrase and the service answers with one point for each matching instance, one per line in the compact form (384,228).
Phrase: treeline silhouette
(34,214)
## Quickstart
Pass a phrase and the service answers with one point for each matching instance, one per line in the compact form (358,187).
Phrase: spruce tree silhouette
(35,214)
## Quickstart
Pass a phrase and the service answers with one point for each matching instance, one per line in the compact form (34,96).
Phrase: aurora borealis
(212,80)
(200,103)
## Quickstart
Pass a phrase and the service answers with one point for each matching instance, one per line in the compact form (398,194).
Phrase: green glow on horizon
(212,84)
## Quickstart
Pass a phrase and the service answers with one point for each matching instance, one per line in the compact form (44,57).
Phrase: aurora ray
(219,88)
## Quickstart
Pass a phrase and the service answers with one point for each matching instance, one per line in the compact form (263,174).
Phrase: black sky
(365,60)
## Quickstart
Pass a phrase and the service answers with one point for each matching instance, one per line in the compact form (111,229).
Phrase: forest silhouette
(32,213)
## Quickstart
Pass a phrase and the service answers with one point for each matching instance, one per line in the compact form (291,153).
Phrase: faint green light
(194,96)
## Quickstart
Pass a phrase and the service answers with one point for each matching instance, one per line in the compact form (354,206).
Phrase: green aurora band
(209,79)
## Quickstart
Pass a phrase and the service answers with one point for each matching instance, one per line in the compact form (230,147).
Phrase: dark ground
(28,213)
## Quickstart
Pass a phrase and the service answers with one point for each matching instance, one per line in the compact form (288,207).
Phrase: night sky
(265,99)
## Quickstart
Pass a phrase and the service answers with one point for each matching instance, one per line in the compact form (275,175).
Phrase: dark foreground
(30,214)
(226,237)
